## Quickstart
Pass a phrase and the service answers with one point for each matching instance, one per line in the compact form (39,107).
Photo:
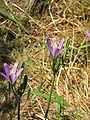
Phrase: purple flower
(88,34)
(12,75)
(55,51)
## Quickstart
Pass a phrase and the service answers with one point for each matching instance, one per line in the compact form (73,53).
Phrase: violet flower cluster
(12,75)
(55,51)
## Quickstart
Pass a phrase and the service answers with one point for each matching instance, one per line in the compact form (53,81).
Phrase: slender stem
(18,108)
(9,90)
(46,114)
(18,100)
(63,98)
(6,96)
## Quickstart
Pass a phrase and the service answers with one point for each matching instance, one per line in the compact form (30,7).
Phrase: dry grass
(66,19)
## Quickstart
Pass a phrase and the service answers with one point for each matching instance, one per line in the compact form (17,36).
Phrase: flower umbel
(55,51)
(88,34)
(13,75)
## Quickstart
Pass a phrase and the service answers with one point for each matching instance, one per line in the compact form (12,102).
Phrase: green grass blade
(56,98)
(7,15)
(11,17)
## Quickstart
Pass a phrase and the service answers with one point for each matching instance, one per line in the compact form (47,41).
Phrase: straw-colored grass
(69,19)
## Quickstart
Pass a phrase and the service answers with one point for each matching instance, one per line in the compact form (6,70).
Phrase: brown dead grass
(67,19)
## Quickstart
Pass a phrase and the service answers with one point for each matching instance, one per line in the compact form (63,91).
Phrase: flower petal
(59,48)
(53,52)
(51,49)
(13,77)
(57,52)
(13,72)
(15,67)
(61,44)
(5,76)
(54,42)
(19,73)
(48,43)
(7,70)
(88,34)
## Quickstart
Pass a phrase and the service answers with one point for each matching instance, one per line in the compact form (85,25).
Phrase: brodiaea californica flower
(12,75)
(55,51)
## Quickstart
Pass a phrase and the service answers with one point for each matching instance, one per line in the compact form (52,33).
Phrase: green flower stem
(18,108)
(18,100)
(6,96)
(9,90)
(53,79)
